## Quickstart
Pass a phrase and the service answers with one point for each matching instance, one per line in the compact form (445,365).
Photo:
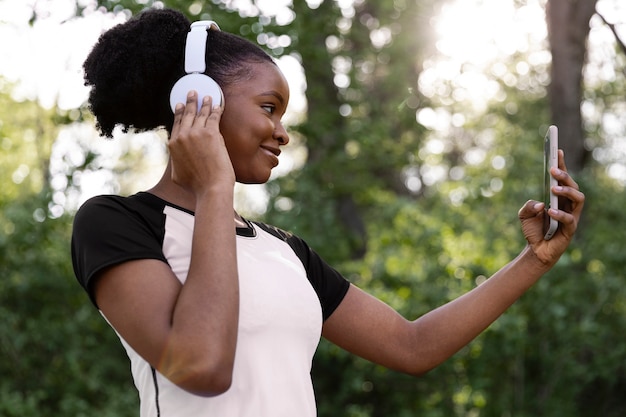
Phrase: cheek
(232,133)
(226,124)
(239,143)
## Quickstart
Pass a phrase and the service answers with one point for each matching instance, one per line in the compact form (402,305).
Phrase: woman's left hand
(531,215)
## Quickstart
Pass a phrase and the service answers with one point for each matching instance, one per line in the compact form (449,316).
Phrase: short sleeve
(109,230)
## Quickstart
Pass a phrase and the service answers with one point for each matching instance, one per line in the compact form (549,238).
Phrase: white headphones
(195,65)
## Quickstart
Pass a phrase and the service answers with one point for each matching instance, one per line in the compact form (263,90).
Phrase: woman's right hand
(198,154)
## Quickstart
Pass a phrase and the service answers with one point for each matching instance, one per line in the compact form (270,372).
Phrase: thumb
(532,218)
(531,209)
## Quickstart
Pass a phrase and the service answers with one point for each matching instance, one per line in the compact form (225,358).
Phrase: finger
(563,177)
(571,193)
(573,199)
(178,115)
(205,110)
(568,221)
(216,114)
(561,160)
(531,209)
(191,109)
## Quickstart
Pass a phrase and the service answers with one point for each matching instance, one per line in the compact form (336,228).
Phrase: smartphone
(550,159)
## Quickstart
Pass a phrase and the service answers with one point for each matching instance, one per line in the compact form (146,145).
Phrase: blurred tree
(568,30)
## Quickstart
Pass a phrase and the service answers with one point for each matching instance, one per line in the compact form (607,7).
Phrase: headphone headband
(195,48)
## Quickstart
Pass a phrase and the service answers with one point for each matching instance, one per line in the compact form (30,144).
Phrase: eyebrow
(274,94)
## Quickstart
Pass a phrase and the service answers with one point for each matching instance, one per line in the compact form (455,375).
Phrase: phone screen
(546,170)
(550,149)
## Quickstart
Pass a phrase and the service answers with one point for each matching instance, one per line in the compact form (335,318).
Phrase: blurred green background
(416,132)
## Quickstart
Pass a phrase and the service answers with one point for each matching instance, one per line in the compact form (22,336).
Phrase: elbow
(208,383)
(204,382)
(420,370)
(419,365)
(203,379)
(414,367)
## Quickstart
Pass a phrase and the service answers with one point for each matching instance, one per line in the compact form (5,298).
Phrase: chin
(259,179)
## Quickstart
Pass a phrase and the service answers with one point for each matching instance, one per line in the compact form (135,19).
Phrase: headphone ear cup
(202,84)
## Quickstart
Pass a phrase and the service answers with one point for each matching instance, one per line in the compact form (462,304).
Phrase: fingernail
(558,188)
(191,93)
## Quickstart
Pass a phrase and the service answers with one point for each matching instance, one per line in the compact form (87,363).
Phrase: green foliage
(58,356)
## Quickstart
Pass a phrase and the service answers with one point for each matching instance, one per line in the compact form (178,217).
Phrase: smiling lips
(272,152)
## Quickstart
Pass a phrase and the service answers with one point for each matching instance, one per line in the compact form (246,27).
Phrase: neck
(173,193)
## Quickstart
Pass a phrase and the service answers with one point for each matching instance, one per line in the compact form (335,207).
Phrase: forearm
(442,332)
(205,318)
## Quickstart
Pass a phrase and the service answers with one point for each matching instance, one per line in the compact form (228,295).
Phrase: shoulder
(100,201)
(114,222)
(112,229)
(113,203)
(109,210)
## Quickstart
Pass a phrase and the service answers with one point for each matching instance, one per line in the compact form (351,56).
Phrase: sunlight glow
(473,38)
(51,74)
(478,32)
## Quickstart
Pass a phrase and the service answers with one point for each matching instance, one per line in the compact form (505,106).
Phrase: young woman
(221,316)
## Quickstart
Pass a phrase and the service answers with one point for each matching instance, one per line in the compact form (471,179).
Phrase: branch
(611,26)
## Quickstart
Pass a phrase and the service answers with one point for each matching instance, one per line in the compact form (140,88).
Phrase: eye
(270,108)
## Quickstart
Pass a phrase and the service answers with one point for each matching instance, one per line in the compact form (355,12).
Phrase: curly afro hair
(134,65)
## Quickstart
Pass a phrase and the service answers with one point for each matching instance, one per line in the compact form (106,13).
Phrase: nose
(280,134)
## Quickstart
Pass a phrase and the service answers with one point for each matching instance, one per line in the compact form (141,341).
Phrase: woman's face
(251,124)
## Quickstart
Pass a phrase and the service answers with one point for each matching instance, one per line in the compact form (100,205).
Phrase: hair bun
(131,70)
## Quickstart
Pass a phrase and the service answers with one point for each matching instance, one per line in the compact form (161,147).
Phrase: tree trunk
(568,29)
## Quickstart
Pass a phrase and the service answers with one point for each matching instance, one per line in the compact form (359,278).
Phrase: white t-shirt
(286,291)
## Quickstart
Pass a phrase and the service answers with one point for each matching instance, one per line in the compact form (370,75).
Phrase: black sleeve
(109,230)
(330,286)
